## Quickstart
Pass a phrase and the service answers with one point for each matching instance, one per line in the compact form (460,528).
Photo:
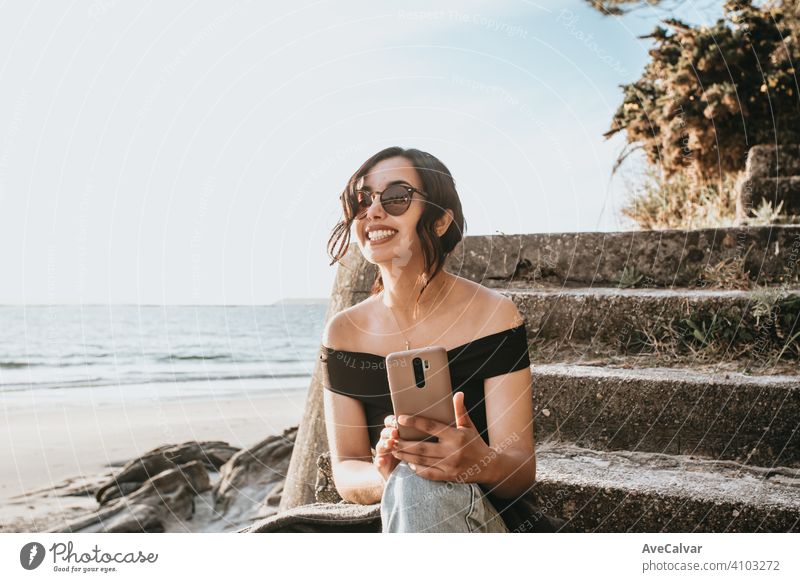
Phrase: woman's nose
(375,209)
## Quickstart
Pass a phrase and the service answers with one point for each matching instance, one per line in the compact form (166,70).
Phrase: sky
(194,152)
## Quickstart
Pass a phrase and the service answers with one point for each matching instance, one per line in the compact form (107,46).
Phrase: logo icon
(31,555)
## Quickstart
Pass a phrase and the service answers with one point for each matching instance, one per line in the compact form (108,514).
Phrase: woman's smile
(379,237)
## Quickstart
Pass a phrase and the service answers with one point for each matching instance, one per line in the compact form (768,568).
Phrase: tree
(618,7)
(710,93)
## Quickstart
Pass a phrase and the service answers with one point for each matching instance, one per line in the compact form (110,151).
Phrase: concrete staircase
(665,372)
(649,416)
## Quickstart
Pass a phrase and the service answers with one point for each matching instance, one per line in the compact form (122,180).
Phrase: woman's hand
(460,454)
(384,460)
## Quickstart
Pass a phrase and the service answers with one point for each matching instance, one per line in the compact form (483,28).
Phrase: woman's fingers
(385,445)
(389,433)
(390,421)
(384,459)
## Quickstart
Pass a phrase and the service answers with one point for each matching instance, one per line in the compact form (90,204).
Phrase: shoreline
(43,448)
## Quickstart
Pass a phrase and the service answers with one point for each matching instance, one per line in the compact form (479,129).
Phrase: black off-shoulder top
(362,375)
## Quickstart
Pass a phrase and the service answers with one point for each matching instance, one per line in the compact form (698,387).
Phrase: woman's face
(399,247)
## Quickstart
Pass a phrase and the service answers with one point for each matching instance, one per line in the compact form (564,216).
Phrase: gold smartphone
(419,384)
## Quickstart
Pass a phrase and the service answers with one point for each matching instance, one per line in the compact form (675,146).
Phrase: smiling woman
(426,187)
(403,207)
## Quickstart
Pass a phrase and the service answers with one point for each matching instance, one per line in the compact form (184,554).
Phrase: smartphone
(419,384)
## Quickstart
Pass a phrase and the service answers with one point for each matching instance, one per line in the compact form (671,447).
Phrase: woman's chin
(370,248)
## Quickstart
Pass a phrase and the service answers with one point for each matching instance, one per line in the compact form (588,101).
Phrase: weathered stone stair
(677,411)
(648,415)
(772,174)
(665,446)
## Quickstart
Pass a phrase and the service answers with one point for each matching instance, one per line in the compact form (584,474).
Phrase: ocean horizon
(85,354)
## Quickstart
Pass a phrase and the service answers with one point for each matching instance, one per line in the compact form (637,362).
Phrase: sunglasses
(395,199)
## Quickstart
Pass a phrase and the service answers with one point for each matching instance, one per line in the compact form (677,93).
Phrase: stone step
(754,190)
(724,322)
(769,161)
(731,416)
(770,255)
(625,491)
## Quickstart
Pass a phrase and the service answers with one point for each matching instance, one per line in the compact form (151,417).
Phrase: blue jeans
(411,503)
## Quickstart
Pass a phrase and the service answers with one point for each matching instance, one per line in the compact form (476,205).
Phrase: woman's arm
(356,478)
(511,469)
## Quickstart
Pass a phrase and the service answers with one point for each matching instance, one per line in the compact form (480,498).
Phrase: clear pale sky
(193,152)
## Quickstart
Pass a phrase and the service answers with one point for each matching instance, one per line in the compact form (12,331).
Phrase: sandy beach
(42,446)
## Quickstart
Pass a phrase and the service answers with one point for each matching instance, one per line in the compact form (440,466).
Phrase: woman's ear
(443,222)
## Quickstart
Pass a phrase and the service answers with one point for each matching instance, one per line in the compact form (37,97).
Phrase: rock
(156,492)
(167,495)
(212,454)
(271,504)
(254,471)
(325,490)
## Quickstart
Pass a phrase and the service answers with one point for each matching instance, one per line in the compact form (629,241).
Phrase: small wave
(15,365)
(171,357)
(170,379)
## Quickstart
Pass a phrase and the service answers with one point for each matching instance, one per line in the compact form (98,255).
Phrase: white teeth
(379,234)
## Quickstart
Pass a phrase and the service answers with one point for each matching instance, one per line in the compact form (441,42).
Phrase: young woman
(404,210)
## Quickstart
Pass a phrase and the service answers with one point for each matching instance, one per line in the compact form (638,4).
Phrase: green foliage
(629,277)
(767,332)
(709,93)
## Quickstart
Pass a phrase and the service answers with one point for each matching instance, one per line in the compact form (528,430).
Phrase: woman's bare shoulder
(494,310)
(342,329)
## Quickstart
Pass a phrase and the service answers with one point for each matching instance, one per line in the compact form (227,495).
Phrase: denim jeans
(411,503)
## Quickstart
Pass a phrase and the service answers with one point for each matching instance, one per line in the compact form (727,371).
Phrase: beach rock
(165,496)
(271,504)
(325,490)
(252,473)
(157,491)
(212,454)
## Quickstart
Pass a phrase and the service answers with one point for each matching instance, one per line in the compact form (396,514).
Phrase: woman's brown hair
(438,184)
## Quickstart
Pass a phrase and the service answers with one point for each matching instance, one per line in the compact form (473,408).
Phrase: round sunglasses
(395,199)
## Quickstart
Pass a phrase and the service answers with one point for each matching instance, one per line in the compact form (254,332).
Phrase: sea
(78,355)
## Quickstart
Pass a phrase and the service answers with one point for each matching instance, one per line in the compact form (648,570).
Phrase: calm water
(69,349)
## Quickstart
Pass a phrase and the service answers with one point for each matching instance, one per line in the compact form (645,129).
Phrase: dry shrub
(682,201)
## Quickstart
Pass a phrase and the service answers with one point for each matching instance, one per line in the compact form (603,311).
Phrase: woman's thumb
(462,416)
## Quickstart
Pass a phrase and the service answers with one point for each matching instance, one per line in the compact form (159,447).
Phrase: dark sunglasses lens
(361,202)
(396,199)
